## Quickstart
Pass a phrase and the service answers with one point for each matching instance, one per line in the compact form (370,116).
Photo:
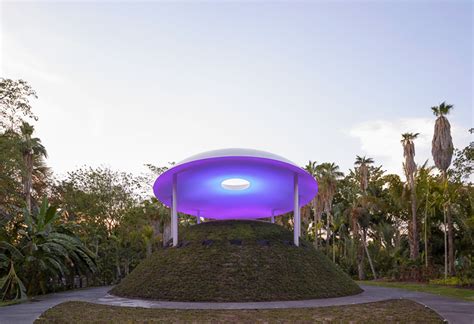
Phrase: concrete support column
(296,212)
(174,211)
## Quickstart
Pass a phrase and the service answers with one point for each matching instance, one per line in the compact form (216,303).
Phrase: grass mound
(236,261)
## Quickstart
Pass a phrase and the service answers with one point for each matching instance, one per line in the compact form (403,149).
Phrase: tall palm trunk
(442,151)
(30,148)
(368,254)
(126,267)
(360,261)
(328,232)
(448,233)
(410,170)
(414,243)
(316,235)
(317,217)
(118,270)
(27,181)
(359,245)
(426,228)
(450,241)
(445,245)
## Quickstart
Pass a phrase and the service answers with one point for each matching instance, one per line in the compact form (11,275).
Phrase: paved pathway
(453,310)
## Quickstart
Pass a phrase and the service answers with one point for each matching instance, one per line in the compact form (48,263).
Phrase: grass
(11,302)
(246,261)
(441,290)
(389,311)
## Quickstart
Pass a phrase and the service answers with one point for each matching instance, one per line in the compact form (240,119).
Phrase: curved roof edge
(235,152)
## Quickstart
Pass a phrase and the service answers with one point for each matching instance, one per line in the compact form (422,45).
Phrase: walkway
(455,311)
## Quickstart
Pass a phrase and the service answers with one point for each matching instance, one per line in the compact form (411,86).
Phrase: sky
(121,84)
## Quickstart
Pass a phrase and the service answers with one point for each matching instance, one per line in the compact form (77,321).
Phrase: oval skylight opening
(235,184)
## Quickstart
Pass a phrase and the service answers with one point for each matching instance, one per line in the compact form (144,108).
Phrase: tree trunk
(414,244)
(119,272)
(360,262)
(450,241)
(426,229)
(166,232)
(28,160)
(360,256)
(126,267)
(328,232)
(316,235)
(397,237)
(320,236)
(448,233)
(345,248)
(368,255)
(426,243)
(445,246)
(357,240)
(316,229)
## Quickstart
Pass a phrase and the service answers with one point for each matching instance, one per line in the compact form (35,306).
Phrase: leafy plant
(45,251)
(11,286)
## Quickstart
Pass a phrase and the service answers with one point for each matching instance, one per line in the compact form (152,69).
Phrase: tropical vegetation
(93,226)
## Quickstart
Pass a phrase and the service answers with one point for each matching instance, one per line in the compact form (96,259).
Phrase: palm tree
(363,164)
(50,251)
(423,179)
(358,211)
(442,144)
(410,170)
(31,148)
(442,151)
(43,253)
(339,227)
(327,175)
(316,203)
(360,219)
(11,286)
(311,167)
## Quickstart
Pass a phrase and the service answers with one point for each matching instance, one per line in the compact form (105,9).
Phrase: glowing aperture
(235,184)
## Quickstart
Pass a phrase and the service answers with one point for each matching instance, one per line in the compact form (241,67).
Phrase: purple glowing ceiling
(235,184)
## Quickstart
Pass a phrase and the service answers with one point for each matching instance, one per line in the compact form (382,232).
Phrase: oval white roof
(236,152)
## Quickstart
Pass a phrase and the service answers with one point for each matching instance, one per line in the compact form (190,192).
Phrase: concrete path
(453,310)
(26,313)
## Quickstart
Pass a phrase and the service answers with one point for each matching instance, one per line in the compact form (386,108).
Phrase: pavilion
(235,184)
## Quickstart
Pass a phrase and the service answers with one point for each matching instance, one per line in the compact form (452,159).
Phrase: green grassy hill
(236,261)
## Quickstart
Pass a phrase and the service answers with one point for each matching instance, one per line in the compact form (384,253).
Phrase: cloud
(380,139)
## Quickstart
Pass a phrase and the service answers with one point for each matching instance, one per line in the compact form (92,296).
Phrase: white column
(174,212)
(272,219)
(296,212)
(199,217)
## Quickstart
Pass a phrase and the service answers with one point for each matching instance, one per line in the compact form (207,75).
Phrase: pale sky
(123,84)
